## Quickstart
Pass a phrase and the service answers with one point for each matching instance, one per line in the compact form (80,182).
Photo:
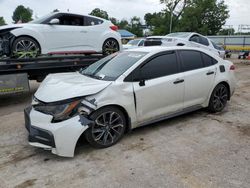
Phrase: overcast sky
(239,9)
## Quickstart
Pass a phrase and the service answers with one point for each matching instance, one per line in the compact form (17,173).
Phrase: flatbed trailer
(15,73)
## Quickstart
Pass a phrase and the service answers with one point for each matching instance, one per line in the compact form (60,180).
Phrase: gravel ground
(195,150)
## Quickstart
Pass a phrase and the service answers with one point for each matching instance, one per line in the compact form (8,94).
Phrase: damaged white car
(124,91)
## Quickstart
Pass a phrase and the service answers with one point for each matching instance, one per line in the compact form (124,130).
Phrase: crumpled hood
(62,86)
(11,26)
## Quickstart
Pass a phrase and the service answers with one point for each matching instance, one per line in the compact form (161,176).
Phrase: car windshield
(113,66)
(179,35)
(42,19)
(133,42)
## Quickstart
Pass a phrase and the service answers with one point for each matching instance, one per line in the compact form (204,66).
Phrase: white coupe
(60,33)
(123,91)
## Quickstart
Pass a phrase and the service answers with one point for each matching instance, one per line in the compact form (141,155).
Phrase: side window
(208,61)
(71,20)
(141,43)
(92,21)
(162,65)
(194,38)
(203,41)
(191,60)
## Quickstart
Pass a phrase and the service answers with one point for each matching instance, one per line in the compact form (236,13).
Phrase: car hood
(58,87)
(12,26)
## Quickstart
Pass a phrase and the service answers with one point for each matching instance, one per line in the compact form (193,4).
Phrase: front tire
(109,127)
(110,46)
(25,47)
(218,99)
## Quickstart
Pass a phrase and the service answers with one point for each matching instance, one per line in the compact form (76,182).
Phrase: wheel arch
(227,86)
(124,111)
(112,39)
(16,37)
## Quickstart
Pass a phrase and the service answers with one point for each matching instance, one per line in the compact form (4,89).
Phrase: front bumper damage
(6,41)
(60,138)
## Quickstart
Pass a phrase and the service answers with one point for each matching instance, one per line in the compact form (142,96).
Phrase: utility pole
(171,20)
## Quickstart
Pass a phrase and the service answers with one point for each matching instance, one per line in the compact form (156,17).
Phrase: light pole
(171,20)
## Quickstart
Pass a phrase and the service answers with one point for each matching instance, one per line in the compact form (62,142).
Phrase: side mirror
(54,21)
(142,83)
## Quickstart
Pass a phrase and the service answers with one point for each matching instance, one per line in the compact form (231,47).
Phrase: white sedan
(134,44)
(60,33)
(123,91)
(186,39)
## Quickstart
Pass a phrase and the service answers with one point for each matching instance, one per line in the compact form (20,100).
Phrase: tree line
(203,16)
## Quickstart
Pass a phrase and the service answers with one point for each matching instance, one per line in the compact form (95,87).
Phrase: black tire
(110,46)
(218,99)
(25,47)
(109,127)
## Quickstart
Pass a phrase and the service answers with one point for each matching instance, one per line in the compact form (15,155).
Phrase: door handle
(83,31)
(210,72)
(178,81)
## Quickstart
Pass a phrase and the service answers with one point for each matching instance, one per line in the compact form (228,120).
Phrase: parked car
(123,91)
(243,54)
(60,33)
(185,39)
(134,44)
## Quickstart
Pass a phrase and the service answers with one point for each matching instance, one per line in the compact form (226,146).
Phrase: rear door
(161,88)
(199,73)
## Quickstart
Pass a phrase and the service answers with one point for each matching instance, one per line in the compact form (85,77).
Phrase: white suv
(124,91)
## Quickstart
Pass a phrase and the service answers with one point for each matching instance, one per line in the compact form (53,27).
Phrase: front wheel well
(228,88)
(128,120)
(28,37)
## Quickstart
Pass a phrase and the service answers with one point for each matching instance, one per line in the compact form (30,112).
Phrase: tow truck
(16,73)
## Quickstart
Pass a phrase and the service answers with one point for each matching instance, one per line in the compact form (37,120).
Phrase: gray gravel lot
(195,150)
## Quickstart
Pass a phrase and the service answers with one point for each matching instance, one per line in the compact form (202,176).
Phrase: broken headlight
(59,112)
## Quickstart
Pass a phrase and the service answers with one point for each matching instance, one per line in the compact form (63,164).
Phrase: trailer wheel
(25,47)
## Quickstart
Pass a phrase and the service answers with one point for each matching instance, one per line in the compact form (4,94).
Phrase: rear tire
(218,99)
(108,129)
(110,46)
(25,47)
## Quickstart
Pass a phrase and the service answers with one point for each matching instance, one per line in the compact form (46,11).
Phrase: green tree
(123,24)
(23,14)
(158,22)
(135,26)
(2,21)
(99,13)
(228,31)
(204,16)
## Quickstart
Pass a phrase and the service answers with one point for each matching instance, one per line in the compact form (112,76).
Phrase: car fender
(113,34)
(32,33)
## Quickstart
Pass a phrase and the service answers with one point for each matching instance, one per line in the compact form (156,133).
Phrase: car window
(208,61)
(203,41)
(162,65)
(216,47)
(191,60)
(71,20)
(194,38)
(89,21)
(141,43)
(113,66)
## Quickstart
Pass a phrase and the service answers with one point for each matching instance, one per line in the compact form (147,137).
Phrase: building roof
(125,34)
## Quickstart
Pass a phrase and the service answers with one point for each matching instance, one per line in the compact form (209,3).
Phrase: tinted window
(141,43)
(160,66)
(208,61)
(203,41)
(71,20)
(92,21)
(191,60)
(194,38)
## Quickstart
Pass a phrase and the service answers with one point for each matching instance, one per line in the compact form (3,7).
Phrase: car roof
(157,49)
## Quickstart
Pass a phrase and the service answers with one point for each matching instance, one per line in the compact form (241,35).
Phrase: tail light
(232,67)
(114,27)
